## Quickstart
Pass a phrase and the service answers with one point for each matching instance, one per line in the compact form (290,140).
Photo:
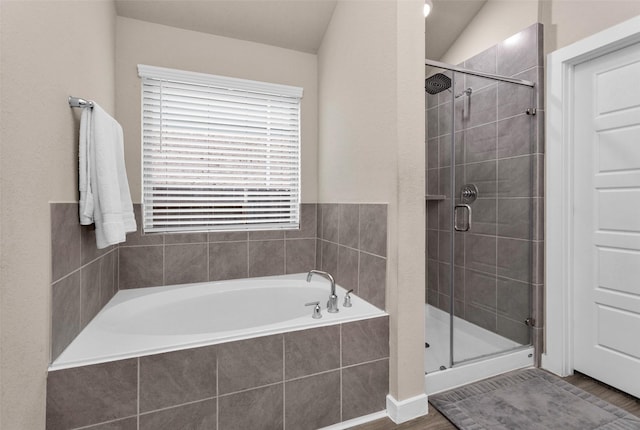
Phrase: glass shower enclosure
(480,197)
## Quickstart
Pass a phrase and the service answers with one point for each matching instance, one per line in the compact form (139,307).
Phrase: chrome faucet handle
(332,304)
(316,310)
(347,299)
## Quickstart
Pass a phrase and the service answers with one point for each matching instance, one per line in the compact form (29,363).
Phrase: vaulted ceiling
(291,24)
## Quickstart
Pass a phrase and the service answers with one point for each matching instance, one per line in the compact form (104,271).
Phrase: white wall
(140,42)
(496,21)
(50,50)
(371,149)
(567,21)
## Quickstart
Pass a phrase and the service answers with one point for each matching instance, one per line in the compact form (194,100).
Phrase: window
(218,153)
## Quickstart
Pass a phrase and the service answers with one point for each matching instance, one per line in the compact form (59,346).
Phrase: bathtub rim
(137,292)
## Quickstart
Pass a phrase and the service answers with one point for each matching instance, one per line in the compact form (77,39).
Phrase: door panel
(607,219)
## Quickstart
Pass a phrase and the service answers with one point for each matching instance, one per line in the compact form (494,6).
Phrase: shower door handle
(467,210)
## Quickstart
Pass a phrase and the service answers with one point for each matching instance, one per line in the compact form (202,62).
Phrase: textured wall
(50,50)
(371,149)
(140,42)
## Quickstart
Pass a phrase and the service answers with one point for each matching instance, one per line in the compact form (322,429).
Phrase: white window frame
(172,163)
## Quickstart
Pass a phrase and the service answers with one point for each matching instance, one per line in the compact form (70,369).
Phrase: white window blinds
(218,153)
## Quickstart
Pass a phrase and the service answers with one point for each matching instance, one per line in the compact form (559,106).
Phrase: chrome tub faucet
(332,304)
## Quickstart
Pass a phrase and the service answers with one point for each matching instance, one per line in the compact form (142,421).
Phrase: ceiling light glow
(427,8)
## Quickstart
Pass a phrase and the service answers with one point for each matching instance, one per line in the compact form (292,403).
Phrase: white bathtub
(147,321)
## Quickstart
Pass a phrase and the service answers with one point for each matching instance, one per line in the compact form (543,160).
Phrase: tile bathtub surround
(499,148)
(352,245)
(180,258)
(84,278)
(299,380)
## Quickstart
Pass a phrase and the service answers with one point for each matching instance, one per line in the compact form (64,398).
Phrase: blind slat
(217,157)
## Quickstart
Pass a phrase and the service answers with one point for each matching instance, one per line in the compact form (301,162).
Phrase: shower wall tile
(484,176)
(177,377)
(480,143)
(88,248)
(323,392)
(482,62)
(514,136)
(194,416)
(108,277)
(514,259)
(184,264)
(432,122)
(521,52)
(503,155)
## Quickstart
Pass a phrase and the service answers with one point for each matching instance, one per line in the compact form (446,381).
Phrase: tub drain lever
(316,310)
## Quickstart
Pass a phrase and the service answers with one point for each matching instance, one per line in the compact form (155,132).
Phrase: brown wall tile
(372,279)
(65,239)
(258,409)
(140,266)
(125,424)
(250,363)
(91,394)
(90,282)
(308,213)
(266,258)
(228,260)
(177,377)
(373,229)
(313,402)
(185,264)
(65,313)
(193,416)
(311,351)
(365,340)
(300,255)
(364,389)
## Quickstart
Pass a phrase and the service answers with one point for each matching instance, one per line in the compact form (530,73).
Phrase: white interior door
(607,219)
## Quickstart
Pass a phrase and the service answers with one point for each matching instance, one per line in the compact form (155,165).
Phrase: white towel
(104,189)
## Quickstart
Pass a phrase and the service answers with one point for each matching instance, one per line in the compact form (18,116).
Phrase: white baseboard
(356,421)
(405,410)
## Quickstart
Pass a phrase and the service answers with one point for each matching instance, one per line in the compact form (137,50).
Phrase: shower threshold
(478,353)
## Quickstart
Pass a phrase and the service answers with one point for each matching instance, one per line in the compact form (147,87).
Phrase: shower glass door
(480,203)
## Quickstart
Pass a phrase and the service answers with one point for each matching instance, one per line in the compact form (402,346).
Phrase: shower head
(437,83)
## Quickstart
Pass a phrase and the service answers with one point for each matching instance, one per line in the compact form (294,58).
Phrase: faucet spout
(332,304)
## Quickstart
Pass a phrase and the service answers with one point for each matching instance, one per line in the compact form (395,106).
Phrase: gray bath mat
(530,399)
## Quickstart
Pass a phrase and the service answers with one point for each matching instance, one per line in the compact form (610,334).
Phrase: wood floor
(436,421)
